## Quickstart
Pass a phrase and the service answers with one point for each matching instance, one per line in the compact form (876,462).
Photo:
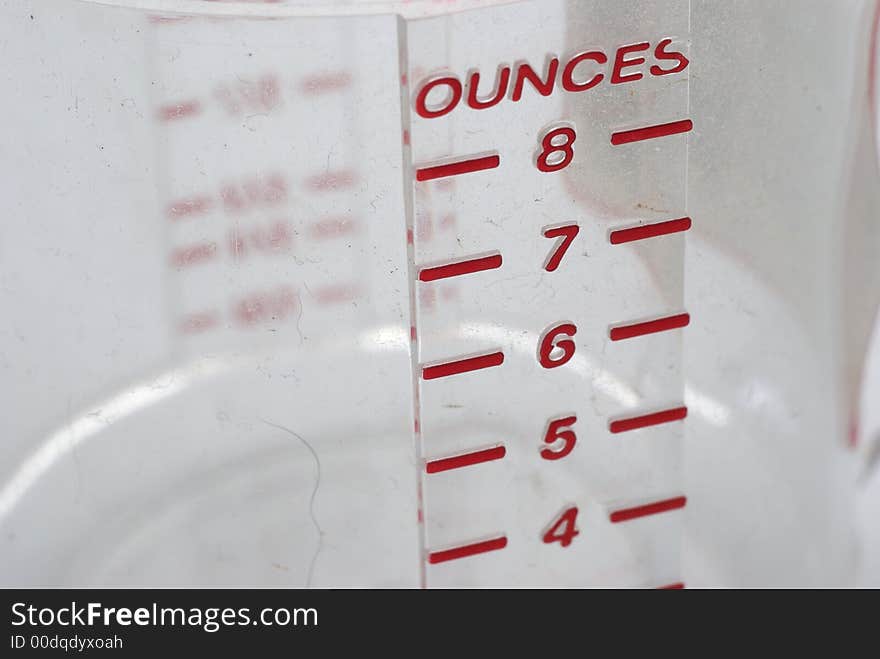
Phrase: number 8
(548,147)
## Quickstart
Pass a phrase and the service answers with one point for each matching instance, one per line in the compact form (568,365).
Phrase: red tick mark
(458,167)
(621,332)
(335,294)
(672,586)
(179,110)
(325,82)
(187,207)
(169,19)
(332,180)
(467,550)
(653,419)
(332,228)
(465,460)
(649,230)
(626,514)
(651,132)
(462,365)
(457,268)
(199,322)
(184,256)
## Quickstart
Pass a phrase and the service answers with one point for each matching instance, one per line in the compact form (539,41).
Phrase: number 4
(563,529)
(567,233)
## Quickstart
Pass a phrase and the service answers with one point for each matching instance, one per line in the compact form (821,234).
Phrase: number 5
(558,429)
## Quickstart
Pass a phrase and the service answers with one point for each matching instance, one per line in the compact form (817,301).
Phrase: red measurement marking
(552,352)
(428,298)
(853,435)
(169,19)
(267,239)
(332,180)
(325,82)
(179,110)
(254,192)
(568,234)
(263,307)
(651,132)
(465,267)
(649,327)
(564,528)
(424,225)
(672,586)
(649,230)
(199,322)
(465,460)
(260,95)
(462,366)
(332,228)
(187,207)
(336,294)
(449,293)
(559,429)
(550,147)
(194,254)
(455,168)
(448,91)
(653,419)
(467,550)
(626,514)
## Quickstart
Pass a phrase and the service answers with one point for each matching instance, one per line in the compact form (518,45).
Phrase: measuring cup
(396,294)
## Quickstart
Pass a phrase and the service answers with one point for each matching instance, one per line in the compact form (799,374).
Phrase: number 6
(553,351)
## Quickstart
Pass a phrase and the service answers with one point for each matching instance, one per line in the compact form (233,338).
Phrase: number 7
(567,233)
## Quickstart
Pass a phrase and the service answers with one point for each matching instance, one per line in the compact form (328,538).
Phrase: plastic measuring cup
(394,293)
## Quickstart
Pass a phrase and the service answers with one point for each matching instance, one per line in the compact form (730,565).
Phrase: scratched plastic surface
(287,306)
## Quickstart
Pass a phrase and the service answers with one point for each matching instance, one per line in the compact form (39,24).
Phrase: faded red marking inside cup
(333,227)
(197,323)
(329,81)
(188,207)
(336,294)
(159,20)
(180,110)
(194,254)
(266,306)
(337,180)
